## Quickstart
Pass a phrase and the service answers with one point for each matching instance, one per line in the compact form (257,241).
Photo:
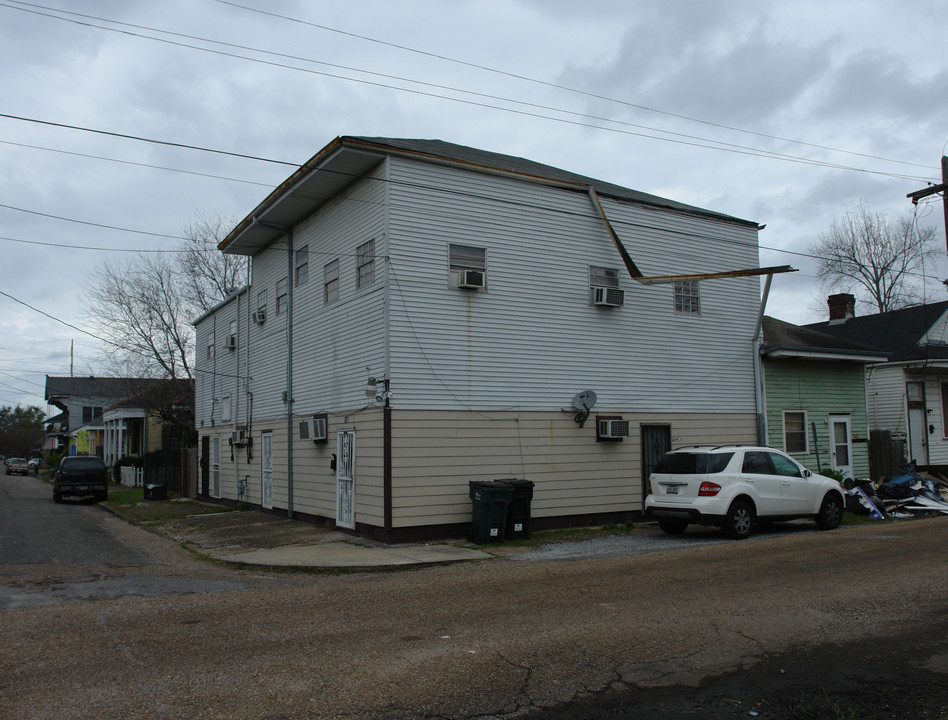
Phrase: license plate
(671,491)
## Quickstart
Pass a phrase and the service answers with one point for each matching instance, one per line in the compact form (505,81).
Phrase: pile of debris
(908,493)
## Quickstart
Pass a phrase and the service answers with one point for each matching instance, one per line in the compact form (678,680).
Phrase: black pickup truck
(81,475)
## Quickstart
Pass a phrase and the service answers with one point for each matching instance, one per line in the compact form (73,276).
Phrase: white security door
(918,435)
(215,467)
(842,444)
(266,470)
(345,479)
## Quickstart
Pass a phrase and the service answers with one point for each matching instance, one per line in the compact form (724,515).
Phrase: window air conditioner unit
(608,296)
(612,428)
(231,341)
(314,429)
(259,316)
(473,279)
(238,438)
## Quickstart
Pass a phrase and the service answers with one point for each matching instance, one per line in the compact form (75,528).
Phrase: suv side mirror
(806,473)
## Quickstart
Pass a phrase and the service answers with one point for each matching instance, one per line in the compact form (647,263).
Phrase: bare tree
(139,308)
(209,275)
(862,252)
(144,307)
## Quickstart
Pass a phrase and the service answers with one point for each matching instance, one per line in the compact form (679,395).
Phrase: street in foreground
(849,623)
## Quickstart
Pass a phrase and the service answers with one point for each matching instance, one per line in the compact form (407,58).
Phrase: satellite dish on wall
(584,401)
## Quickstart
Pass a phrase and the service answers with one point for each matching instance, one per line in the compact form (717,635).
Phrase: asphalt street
(524,634)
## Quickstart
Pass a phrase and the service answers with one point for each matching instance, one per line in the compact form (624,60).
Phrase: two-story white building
(421,315)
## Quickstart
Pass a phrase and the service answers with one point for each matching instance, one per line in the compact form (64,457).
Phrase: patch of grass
(131,504)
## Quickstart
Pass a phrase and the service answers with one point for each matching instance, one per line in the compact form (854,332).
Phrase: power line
(86,222)
(84,247)
(693,141)
(558,86)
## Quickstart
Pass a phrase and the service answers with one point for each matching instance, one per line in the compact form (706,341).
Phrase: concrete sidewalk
(254,538)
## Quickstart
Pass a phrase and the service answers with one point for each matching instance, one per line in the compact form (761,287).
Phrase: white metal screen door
(266,470)
(842,445)
(215,467)
(345,479)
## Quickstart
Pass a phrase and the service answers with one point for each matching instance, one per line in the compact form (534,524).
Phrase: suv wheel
(673,527)
(739,520)
(831,513)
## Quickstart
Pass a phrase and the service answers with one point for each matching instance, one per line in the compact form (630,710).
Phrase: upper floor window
(210,345)
(688,297)
(468,266)
(302,265)
(91,413)
(262,300)
(794,431)
(604,287)
(365,264)
(281,296)
(232,335)
(331,282)
(225,408)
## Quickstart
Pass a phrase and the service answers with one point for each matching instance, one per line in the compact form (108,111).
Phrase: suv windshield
(679,463)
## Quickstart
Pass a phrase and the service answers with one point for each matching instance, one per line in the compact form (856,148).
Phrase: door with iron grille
(345,479)
(266,469)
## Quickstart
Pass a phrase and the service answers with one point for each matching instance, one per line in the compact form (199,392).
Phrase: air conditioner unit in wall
(238,437)
(314,429)
(231,341)
(612,428)
(473,279)
(608,296)
(259,316)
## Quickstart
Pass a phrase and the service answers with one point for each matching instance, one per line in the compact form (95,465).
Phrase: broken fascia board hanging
(666,279)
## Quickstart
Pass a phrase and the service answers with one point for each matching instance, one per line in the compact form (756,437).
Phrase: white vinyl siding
(534,340)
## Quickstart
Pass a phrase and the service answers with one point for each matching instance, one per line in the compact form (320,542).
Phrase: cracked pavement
(507,637)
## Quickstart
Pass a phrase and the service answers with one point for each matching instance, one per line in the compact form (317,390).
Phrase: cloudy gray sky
(785,113)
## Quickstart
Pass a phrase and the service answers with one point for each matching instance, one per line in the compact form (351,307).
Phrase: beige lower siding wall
(435,454)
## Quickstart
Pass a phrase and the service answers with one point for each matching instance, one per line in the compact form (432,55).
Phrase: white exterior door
(266,470)
(842,448)
(918,435)
(345,479)
(215,467)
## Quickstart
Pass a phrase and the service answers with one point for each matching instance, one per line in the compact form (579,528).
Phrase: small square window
(281,296)
(365,264)
(688,297)
(468,266)
(331,282)
(794,431)
(302,265)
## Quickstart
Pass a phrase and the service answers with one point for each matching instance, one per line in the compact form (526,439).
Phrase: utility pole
(934,189)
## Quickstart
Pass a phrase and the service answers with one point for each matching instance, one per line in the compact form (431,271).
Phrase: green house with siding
(815,397)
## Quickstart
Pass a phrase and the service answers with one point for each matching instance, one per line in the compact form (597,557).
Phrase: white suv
(733,487)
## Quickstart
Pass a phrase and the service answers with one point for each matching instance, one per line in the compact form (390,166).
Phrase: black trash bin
(518,514)
(156,491)
(489,510)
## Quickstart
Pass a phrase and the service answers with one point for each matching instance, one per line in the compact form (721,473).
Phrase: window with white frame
(210,345)
(468,266)
(365,264)
(281,296)
(225,408)
(688,297)
(302,265)
(331,282)
(794,431)
(232,335)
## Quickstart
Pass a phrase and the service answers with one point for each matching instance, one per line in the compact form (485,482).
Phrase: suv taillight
(648,486)
(708,489)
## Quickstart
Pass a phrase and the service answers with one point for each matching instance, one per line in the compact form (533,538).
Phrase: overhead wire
(692,140)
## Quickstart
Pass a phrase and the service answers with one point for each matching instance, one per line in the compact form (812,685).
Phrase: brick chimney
(841,308)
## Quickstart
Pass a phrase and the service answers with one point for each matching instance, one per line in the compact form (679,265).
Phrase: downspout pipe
(288,232)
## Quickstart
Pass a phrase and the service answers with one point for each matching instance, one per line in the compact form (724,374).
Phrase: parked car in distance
(17,466)
(35,462)
(735,487)
(81,475)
